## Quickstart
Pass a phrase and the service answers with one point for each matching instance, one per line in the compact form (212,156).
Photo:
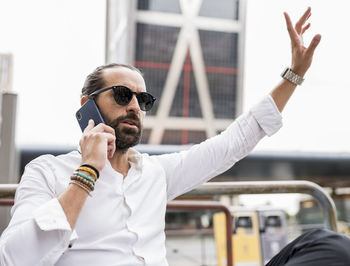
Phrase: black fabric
(319,247)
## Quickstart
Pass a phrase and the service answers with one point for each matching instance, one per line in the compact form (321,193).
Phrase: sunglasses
(123,95)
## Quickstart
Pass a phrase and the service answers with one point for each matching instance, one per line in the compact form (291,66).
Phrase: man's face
(126,120)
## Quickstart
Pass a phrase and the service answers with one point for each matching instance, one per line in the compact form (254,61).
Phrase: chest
(123,205)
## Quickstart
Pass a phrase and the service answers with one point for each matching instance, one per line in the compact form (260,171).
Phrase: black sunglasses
(123,96)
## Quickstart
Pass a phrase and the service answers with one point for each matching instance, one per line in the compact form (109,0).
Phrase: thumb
(90,126)
(314,43)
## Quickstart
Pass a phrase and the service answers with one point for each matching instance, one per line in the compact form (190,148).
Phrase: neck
(120,163)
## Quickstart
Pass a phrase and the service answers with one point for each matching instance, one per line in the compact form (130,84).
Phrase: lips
(130,122)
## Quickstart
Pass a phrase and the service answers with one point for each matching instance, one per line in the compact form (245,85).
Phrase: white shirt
(122,223)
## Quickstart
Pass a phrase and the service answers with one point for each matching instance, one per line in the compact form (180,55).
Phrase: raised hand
(301,55)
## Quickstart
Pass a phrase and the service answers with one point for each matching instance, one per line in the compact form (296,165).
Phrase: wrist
(300,71)
(291,76)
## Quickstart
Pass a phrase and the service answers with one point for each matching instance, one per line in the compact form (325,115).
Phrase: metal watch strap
(289,75)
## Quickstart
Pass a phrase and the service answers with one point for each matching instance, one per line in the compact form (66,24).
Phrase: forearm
(282,93)
(72,201)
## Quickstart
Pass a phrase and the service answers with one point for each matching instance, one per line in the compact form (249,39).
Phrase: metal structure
(268,187)
(126,21)
(7,191)
(8,105)
(5,81)
(202,205)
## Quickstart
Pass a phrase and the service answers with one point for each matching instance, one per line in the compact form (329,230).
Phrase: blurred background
(206,62)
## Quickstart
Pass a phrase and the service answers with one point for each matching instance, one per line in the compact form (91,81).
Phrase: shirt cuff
(267,115)
(51,216)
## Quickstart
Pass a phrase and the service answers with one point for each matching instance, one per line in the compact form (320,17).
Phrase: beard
(125,137)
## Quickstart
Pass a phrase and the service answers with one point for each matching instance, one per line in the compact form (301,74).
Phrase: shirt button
(70,245)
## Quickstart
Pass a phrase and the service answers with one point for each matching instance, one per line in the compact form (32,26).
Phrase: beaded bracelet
(80,185)
(83,181)
(92,168)
(85,176)
(89,171)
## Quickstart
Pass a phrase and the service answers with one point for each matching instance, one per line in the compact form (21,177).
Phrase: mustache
(131,116)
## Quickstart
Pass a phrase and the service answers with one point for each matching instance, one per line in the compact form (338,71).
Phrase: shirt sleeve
(38,232)
(188,169)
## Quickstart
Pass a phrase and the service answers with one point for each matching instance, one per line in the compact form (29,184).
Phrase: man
(55,222)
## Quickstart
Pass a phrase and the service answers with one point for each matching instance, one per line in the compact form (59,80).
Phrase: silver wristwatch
(289,75)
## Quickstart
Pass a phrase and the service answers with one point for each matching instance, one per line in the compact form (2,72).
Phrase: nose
(133,105)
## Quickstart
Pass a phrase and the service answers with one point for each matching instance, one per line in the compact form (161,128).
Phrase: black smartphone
(88,111)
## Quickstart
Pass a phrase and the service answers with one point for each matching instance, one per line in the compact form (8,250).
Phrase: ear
(83,99)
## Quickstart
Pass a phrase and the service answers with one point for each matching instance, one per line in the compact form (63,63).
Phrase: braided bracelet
(92,168)
(89,171)
(83,181)
(81,186)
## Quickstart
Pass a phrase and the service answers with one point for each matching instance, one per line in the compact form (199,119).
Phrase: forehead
(117,76)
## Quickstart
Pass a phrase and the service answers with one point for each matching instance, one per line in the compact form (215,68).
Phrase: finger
(103,128)
(302,20)
(90,126)
(111,151)
(110,137)
(111,148)
(314,43)
(292,33)
(305,28)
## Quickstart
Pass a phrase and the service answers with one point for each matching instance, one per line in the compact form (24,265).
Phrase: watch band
(289,75)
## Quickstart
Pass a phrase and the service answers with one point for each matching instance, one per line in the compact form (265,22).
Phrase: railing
(205,205)
(7,192)
(268,187)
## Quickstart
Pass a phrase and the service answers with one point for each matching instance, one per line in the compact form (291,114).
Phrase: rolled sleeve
(267,115)
(51,216)
(39,227)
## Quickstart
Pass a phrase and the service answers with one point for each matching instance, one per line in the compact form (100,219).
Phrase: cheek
(142,115)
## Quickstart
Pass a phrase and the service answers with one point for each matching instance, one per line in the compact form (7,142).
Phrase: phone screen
(88,111)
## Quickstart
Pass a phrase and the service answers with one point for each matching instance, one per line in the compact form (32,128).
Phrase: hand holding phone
(89,111)
(98,149)
(97,144)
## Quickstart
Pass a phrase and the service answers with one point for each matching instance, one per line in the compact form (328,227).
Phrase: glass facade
(191,63)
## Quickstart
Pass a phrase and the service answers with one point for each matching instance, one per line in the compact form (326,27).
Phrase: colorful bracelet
(92,168)
(89,171)
(85,176)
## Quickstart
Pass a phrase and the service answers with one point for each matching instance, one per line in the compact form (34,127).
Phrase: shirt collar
(135,158)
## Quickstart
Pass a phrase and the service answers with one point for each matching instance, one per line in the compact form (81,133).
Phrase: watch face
(285,72)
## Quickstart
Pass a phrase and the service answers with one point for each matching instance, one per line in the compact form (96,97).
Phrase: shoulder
(51,161)
(49,166)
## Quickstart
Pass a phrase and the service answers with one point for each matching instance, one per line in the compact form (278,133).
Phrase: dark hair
(95,81)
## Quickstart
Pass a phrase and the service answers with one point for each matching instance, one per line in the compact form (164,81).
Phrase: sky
(315,119)
(56,43)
